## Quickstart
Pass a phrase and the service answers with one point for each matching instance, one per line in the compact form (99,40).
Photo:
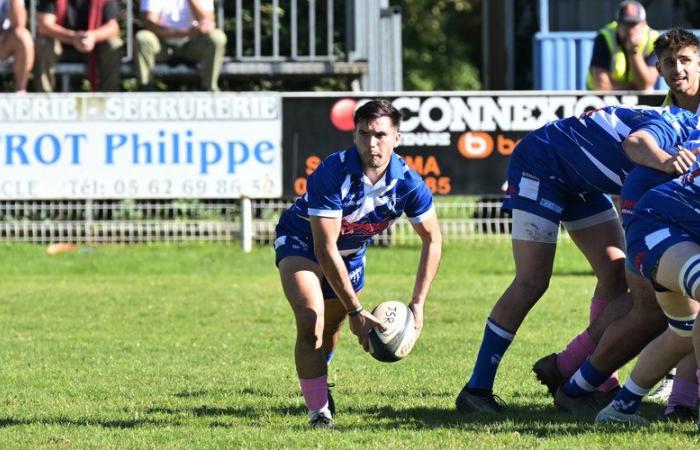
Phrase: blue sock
(585,381)
(329,357)
(629,398)
(493,346)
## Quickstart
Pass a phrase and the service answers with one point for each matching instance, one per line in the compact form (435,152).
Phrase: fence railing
(132,221)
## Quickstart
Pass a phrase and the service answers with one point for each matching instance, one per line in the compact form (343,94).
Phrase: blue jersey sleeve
(419,205)
(323,193)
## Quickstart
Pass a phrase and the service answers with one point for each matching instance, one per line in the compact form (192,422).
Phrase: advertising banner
(458,142)
(170,145)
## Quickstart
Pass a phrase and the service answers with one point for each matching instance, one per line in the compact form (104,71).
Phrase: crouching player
(664,245)
(321,242)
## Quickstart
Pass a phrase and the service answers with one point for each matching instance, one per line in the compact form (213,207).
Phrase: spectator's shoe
(321,420)
(663,391)
(479,400)
(611,415)
(681,413)
(583,404)
(548,374)
(331,402)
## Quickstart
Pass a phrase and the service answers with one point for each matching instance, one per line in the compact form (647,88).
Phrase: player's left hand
(417,309)
(680,162)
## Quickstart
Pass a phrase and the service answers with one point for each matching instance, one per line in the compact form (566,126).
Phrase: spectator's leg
(147,47)
(48,51)
(18,42)
(110,57)
(208,49)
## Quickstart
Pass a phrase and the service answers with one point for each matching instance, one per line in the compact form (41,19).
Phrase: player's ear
(398,138)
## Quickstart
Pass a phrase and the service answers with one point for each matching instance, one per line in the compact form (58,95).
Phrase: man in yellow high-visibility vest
(623,52)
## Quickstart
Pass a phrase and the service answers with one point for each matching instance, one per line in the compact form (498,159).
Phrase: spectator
(623,52)
(16,41)
(75,31)
(180,30)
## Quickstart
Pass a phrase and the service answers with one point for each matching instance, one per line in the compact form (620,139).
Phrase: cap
(631,12)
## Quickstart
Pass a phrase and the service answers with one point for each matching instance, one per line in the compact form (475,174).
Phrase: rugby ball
(400,335)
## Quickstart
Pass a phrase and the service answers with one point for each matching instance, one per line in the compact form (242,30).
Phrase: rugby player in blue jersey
(321,242)
(679,62)
(561,173)
(664,245)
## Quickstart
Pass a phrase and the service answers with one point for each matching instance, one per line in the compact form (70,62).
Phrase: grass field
(191,347)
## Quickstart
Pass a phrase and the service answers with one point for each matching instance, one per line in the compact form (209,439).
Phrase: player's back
(587,150)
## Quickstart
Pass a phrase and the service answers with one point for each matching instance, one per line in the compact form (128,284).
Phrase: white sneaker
(663,390)
(611,415)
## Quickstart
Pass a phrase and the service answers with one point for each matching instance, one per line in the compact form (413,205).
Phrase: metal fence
(135,221)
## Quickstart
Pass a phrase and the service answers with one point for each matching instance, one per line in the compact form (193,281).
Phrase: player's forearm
(431,252)
(337,275)
(643,150)
(50,28)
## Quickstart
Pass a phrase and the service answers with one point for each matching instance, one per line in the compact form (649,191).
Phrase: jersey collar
(354,167)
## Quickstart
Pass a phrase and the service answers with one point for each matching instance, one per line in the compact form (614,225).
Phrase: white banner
(170,145)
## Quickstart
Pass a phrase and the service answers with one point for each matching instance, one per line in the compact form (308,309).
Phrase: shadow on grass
(84,422)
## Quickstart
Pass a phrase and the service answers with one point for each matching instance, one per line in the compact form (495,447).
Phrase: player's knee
(216,38)
(682,326)
(689,277)
(533,287)
(309,326)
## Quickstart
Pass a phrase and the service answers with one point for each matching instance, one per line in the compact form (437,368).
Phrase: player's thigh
(678,268)
(301,282)
(533,259)
(594,227)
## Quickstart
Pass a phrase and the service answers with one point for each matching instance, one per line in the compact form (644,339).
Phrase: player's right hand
(362,324)
(679,163)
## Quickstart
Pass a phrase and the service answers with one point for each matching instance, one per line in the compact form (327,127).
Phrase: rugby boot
(321,420)
(611,415)
(479,400)
(547,372)
(681,413)
(584,404)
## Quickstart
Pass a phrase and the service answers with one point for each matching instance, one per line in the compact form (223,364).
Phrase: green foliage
(168,346)
(441,41)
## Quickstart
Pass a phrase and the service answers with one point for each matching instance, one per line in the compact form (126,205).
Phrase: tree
(441,44)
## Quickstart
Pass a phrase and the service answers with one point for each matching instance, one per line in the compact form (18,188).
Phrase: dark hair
(375,109)
(674,40)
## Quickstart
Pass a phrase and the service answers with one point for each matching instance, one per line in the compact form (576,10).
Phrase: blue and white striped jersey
(586,152)
(339,189)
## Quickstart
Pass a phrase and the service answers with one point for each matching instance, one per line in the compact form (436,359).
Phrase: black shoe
(321,420)
(547,372)
(681,413)
(331,402)
(479,400)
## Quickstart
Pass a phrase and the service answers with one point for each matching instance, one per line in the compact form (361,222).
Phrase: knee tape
(682,326)
(689,276)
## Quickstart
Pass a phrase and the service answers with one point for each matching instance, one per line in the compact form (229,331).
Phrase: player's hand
(417,310)
(361,324)
(679,163)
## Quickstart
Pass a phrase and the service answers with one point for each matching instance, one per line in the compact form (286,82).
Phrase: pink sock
(683,393)
(315,391)
(597,307)
(575,354)
(613,382)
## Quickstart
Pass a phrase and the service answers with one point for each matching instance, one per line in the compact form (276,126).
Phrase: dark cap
(631,12)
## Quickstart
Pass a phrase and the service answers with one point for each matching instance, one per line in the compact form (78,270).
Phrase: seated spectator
(181,30)
(78,31)
(16,41)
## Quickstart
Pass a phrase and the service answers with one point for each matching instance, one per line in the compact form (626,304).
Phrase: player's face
(376,141)
(680,69)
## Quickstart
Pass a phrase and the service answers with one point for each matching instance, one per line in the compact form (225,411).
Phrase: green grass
(191,347)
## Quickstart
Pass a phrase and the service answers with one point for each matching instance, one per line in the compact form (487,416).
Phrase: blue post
(544,16)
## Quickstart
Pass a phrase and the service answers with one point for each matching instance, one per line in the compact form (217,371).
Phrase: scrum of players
(644,304)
